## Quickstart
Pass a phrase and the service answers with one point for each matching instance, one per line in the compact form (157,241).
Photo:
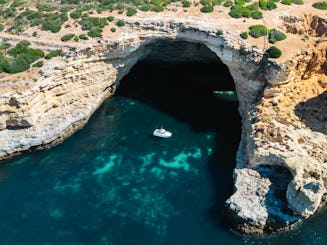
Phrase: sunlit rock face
(281,126)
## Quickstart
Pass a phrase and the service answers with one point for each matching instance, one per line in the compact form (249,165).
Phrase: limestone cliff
(282,104)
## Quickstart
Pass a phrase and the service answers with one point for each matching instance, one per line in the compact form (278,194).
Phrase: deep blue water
(113,183)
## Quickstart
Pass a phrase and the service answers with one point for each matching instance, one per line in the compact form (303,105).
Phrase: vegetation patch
(83,37)
(275,36)
(267,5)
(239,10)
(206,9)
(76,14)
(53,22)
(20,58)
(320,5)
(95,32)
(274,52)
(298,2)
(131,11)
(244,35)
(67,37)
(257,31)
(157,8)
(120,23)
(228,3)
(286,2)
(186,4)
(53,53)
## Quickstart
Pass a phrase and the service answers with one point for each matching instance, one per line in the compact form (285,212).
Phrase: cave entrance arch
(179,78)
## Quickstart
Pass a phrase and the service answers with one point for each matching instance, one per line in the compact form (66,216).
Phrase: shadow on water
(184,90)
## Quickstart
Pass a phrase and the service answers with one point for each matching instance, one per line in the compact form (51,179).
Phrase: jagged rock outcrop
(281,126)
(260,200)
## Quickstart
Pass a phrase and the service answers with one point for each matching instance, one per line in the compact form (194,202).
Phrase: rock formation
(281,173)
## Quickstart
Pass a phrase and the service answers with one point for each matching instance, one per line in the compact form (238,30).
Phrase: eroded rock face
(260,200)
(319,26)
(304,196)
(282,128)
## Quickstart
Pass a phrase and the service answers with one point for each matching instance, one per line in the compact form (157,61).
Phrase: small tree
(274,52)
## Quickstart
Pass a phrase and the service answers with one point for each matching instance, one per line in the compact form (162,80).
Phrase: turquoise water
(113,183)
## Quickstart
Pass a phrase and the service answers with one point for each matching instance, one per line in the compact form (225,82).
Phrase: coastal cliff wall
(281,104)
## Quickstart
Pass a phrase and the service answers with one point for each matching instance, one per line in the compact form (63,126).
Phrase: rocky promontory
(281,171)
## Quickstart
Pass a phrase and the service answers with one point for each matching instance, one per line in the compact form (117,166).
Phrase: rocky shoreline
(280,177)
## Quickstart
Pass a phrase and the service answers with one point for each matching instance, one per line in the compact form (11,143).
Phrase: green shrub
(186,4)
(16,65)
(145,7)
(206,9)
(257,31)
(228,3)
(76,38)
(275,35)
(20,48)
(67,37)
(267,5)
(256,14)
(131,11)
(113,29)
(16,3)
(120,23)
(244,35)
(320,5)
(253,7)
(157,8)
(53,53)
(89,23)
(239,2)
(45,7)
(76,14)
(286,2)
(246,12)
(95,32)
(110,18)
(234,13)
(274,52)
(271,5)
(23,57)
(83,37)
(298,2)
(53,22)
(238,11)
(2,27)
(34,34)
(32,15)
(4,63)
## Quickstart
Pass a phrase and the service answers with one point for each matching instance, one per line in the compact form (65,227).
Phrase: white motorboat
(162,133)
